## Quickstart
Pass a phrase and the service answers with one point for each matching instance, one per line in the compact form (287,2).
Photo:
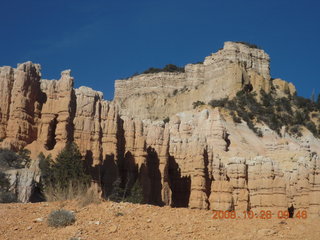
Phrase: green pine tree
(133,194)
(45,164)
(117,193)
(136,193)
(64,178)
(68,167)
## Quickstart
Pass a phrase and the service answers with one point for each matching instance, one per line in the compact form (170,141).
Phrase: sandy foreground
(110,220)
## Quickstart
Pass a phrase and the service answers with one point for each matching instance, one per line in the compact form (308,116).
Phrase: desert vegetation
(197,104)
(61,218)
(128,191)
(167,68)
(250,45)
(11,160)
(5,195)
(64,178)
(293,112)
(166,120)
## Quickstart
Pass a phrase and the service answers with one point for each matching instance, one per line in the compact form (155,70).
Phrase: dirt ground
(110,220)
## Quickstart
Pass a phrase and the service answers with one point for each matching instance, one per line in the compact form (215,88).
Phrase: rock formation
(20,113)
(184,157)
(220,75)
(24,182)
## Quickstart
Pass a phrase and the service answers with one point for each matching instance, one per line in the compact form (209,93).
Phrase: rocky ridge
(198,158)
(222,74)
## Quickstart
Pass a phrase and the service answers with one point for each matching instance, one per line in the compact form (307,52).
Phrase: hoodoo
(188,135)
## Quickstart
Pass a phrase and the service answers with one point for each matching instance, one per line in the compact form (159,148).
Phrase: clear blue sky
(102,41)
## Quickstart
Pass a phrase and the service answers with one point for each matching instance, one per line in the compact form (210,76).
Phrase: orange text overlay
(263,214)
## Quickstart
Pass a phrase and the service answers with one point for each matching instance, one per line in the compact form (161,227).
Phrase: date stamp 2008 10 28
(263,214)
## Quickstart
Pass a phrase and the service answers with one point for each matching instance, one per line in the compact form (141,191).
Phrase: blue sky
(101,41)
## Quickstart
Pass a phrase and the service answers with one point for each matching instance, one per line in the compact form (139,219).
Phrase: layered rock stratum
(183,156)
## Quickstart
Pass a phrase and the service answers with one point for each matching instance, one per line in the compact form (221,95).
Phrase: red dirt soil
(110,220)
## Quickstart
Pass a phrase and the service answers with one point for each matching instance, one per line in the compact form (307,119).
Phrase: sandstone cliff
(197,158)
(220,75)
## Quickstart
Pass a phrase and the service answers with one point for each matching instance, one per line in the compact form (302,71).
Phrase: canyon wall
(197,158)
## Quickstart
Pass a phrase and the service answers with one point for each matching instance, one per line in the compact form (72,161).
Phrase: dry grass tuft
(91,196)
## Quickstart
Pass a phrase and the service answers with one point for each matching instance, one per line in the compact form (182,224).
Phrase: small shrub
(266,99)
(5,195)
(259,133)
(91,196)
(301,102)
(218,103)
(175,92)
(184,89)
(119,214)
(166,68)
(284,105)
(235,118)
(152,70)
(197,103)
(166,120)
(231,105)
(295,130)
(312,128)
(25,155)
(10,159)
(251,125)
(299,117)
(248,87)
(135,74)
(274,112)
(172,68)
(61,218)
(250,45)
